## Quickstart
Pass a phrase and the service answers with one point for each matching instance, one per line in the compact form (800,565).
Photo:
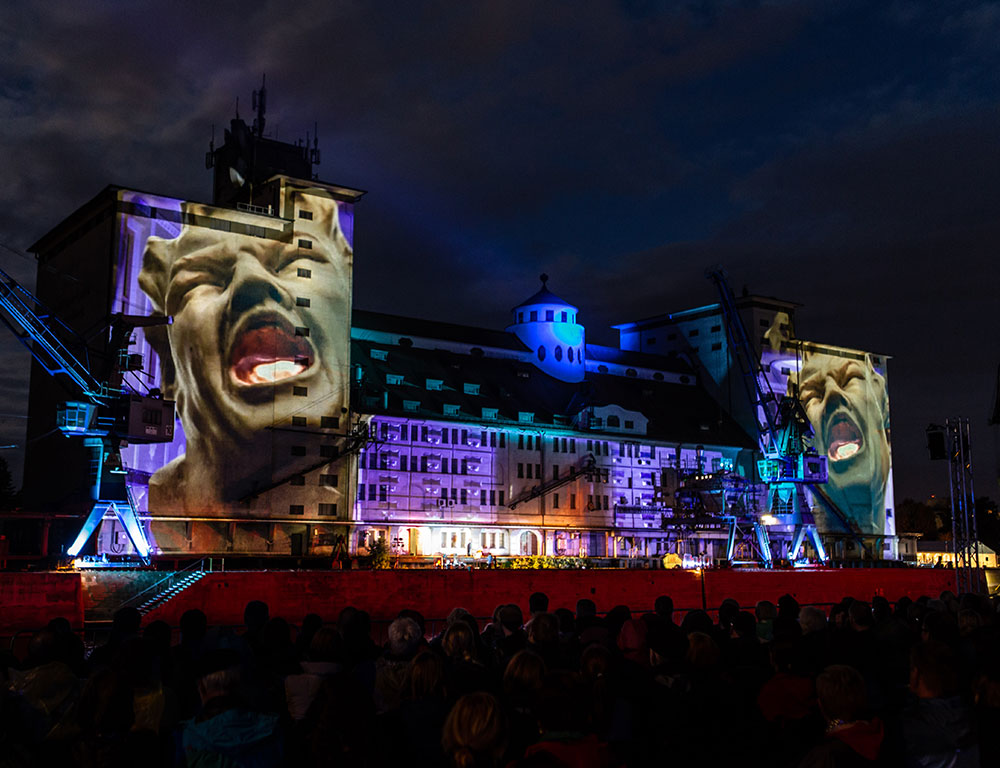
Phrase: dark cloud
(838,154)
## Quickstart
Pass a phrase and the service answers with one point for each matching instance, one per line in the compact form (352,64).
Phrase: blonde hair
(475,732)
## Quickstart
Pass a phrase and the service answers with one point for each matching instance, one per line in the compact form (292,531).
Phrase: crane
(105,413)
(788,466)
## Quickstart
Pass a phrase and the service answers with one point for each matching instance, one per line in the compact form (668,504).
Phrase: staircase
(156,600)
(166,589)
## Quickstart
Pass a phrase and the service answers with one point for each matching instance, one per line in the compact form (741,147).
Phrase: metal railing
(167,582)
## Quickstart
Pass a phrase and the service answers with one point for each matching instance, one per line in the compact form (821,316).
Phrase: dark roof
(544,296)
(411,326)
(670,362)
(676,412)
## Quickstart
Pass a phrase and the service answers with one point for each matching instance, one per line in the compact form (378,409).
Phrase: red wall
(29,600)
(223,596)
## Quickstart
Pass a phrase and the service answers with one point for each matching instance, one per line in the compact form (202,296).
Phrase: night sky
(844,155)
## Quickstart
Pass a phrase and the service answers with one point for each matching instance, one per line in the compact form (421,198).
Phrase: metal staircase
(167,588)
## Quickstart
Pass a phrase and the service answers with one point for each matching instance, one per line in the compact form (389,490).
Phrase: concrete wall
(223,596)
(29,600)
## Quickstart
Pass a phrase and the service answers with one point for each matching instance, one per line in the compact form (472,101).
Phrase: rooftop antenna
(314,156)
(210,155)
(260,104)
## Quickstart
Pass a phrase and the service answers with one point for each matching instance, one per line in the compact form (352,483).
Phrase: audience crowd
(916,683)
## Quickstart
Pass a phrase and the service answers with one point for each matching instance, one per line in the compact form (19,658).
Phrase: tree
(929,520)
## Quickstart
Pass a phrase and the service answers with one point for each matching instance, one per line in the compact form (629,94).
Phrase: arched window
(558,352)
(541,352)
(529,543)
(614,421)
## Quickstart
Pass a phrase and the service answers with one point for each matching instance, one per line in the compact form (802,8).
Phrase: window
(572,445)
(538,471)
(650,340)
(562,317)
(764,323)
(303,243)
(520,470)
(558,352)
(631,372)
(482,497)
(304,214)
(329,451)
(297,480)
(555,445)
(470,389)
(520,317)
(549,315)
(300,391)
(411,405)
(361,491)
(614,421)
(327,509)
(463,496)
(501,500)
(329,481)
(716,328)
(555,471)
(534,315)
(434,384)
(298,450)
(526,417)
(383,493)
(572,501)
(299,421)
(530,471)
(394,379)
(301,331)
(671,337)
(717,346)
(300,301)
(629,424)
(303,272)
(450,410)
(490,413)
(296,509)
(541,353)
(555,501)
(605,498)
(570,353)
(493,498)
(378,354)
(329,422)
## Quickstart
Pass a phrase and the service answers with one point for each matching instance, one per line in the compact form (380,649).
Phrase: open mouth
(269,352)
(844,438)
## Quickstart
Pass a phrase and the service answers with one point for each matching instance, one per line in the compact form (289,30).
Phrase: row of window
(382,491)
(325,481)
(325,422)
(441,435)
(488,539)
(324,509)
(325,451)
(550,316)
(558,352)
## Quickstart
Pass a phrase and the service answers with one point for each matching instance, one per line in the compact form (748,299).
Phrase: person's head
(812,619)
(840,690)
(586,608)
(860,616)
(848,406)
(664,607)
(404,637)
(218,674)
(417,616)
(194,626)
(236,347)
(475,732)
(702,652)
(745,625)
(255,615)
(696,621)
(325,645)
(765,610)
(544,630)
(538,602)
(727,612)
(633,641)
(458,642)
(426,675)
(881,610)
(933,670)
(523,677)
(788,607)
(511,617)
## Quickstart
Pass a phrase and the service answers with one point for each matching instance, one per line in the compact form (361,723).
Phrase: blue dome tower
(547,325)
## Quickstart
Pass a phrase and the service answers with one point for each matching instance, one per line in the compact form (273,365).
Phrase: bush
(544,562)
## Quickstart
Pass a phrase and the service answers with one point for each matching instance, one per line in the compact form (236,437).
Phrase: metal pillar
(964,531)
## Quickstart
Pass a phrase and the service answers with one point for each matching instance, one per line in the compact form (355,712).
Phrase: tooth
(847,450)
(271,372)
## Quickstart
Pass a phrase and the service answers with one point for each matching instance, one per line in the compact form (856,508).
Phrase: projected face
(847,404)
(260,327)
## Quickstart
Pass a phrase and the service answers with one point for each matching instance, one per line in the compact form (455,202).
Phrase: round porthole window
(541,353)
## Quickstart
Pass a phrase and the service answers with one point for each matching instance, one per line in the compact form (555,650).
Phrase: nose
(833,394)
(252,285)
